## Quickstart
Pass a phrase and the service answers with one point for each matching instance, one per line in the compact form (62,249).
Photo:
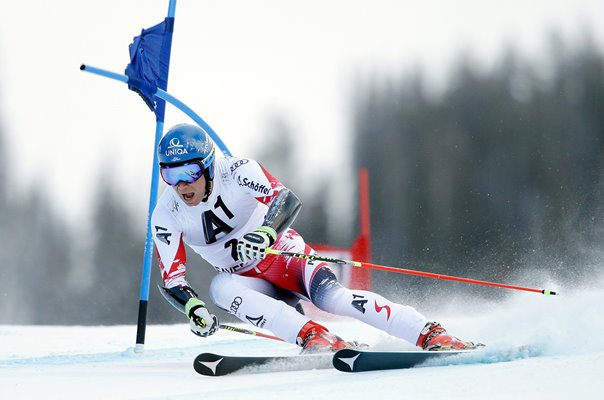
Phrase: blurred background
(481,127)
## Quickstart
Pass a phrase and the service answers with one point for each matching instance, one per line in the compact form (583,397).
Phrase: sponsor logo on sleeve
(238,164)
(162,234)
(257,187)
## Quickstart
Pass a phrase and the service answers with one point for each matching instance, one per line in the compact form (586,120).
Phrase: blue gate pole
(148,256)
(162,94)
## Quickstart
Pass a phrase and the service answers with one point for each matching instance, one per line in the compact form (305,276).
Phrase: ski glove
(253,245)
(202,322)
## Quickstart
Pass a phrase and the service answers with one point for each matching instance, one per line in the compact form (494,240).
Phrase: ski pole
(316,257)
(248,332)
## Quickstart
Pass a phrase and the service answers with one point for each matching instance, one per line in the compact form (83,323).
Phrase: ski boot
(434,337)
(315,338)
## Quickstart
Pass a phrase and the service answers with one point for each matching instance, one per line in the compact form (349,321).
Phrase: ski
(349,360)
(210,364)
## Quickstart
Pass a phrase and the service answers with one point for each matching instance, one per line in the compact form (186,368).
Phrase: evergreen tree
(116,258)
(501,172)
(280,159)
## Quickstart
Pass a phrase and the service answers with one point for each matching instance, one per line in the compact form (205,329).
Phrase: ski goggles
(187,173)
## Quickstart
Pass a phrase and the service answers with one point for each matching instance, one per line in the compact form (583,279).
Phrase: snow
(563,333)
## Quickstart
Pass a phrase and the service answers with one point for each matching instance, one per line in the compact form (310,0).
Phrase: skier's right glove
(202,322)
(253,245)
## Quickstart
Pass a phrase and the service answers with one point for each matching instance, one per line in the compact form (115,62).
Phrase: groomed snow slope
(564,334)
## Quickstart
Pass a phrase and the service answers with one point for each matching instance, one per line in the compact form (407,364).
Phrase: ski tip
(207,364)
(82,67)
(549,292)
(344,360)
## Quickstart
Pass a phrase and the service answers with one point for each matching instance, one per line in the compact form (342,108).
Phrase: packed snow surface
(563,335)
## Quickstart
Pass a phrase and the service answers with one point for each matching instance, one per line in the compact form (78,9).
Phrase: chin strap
(209,187)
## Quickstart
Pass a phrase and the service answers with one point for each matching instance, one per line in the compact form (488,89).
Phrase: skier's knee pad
(322,286)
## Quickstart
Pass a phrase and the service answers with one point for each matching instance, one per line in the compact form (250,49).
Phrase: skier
(230,210)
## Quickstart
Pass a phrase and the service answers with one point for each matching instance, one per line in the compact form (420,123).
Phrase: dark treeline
(499,174)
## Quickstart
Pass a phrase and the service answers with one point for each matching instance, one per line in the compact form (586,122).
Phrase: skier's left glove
(253,245)
(202,322)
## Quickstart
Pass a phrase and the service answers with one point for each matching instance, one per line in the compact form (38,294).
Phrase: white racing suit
(261,292)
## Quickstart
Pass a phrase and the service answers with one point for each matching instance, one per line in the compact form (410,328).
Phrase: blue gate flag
(149,62)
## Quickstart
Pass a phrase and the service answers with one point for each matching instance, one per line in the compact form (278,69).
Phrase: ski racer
(230,210)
